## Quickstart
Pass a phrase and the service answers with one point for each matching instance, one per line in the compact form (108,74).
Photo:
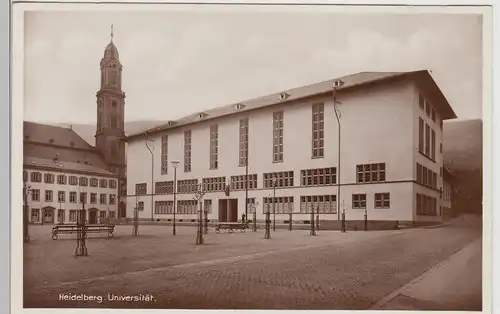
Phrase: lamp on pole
(81,246)
(254,213)
(135,231)
(151,147)
(274,203)
(198,196)
(59,214)
(175,164)
(26,192)
(337,84)
(267,235)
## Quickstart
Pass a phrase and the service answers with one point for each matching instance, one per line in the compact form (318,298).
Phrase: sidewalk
(455,284)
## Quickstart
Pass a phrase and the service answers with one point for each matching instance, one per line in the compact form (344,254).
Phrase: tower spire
(112,34)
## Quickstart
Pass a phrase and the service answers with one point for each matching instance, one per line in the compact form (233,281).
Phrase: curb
(395,293)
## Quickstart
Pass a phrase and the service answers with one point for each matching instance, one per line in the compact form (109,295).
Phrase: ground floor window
(207,206)
(426,205)
(60,215)
(278,205)
(323,203)
(359,201)
(72,215)
(35,215)
(102,214)
(382,200)
(251,205)
(187,207)
(112,214)
(164,207)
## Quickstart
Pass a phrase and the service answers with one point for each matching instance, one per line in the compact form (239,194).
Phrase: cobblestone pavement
(290,271)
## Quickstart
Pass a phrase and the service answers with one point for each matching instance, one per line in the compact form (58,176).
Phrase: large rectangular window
(371,173)
(324,203)
(426,205)
(421,135)
(164,154)
(164,207)
(433,145)
(359,201)
(187,151)
(320,176)
(278,205)
(141,188)
(215,184)
(238,182)
(187,207)
(382,200)
(427,140)
(164,187)
(318,130)
(187,186)
(243,142)
(283,179)
(278,136)
(214,146)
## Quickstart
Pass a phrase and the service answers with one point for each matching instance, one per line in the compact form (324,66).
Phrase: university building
(62,169)
(280,152)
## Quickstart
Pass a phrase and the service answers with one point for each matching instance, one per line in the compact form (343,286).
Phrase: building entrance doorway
(48,215)
(228,210)
(92,216)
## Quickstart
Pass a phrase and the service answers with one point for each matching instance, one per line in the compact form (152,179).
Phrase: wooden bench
(231,226)
(70,229)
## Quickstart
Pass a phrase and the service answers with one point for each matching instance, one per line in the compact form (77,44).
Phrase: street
(292,270)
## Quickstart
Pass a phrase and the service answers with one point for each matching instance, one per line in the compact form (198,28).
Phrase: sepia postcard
(251,157)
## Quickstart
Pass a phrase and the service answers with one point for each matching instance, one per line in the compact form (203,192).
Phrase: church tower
(111,111)
(110,128)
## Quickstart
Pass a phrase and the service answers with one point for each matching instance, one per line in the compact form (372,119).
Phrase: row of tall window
(183,207)
(317,142)
(426,176)
(368,173)
(62,179)
(426,139)
(326,204)
(428,108)
(49,197)
(426,205)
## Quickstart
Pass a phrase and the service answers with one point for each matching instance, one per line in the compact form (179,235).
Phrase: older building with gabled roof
(62,169)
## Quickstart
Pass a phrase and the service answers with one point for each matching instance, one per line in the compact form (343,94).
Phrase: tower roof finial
(112,34)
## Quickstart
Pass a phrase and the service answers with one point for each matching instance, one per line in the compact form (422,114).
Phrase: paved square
(240,270)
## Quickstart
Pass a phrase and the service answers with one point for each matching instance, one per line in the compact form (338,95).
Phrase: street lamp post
(151,148)
(267,235)
(26,192)
(198,196)
(343,217)
(175,163)
(135,231)
(336,84)
(274,203)
(254,212)
(313,229)
(81,246)
(59,216)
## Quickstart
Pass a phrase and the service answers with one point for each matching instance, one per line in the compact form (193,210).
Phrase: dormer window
(72,144)
(202,115)
(170,123)
(51,141)
(239,106)
(284,96)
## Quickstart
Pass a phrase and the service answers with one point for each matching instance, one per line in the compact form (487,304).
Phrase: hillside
(463,144)
(463,153)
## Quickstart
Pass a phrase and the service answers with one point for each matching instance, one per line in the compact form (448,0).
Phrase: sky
(178,63)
